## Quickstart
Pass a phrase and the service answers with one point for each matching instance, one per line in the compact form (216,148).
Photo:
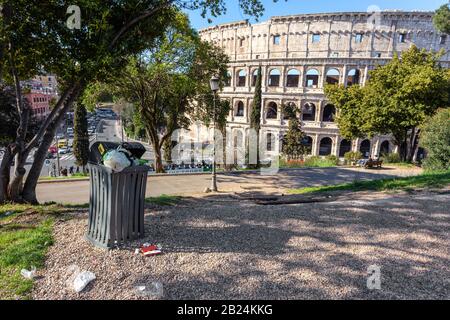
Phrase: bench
(373,164)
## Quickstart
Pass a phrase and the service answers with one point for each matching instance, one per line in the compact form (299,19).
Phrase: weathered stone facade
(300,53)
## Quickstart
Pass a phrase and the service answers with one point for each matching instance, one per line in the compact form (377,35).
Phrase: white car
(63,150)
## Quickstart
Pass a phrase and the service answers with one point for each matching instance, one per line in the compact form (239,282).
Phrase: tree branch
(133,22)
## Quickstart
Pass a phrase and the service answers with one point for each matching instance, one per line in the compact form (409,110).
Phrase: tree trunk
(29,189)
(5,172)
(413,144)
(156,144)
(159,168)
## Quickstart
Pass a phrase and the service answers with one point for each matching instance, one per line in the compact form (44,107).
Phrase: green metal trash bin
(116,206)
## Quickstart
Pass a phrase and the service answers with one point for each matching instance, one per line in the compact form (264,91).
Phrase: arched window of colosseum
(240,109)
(325,146)
(254,76)
(312,78)
(364,148)
(353,77)
(272,111)
(241,78)
(292,79)
(274,78)
(307,142)
(384,149)
(332,76)
(309,112)
(344,147)
(228,79)
(329,113)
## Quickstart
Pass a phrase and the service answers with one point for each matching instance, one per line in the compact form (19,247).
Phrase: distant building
(40,91)
(40,102)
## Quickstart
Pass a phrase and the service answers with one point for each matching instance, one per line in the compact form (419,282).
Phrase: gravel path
(222,248)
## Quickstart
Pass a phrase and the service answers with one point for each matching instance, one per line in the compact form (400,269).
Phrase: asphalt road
(78,191)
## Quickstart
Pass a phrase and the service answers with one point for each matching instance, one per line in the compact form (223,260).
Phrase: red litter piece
(150,250)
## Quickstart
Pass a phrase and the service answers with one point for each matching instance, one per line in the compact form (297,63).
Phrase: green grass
(311,162)
(401,164)
(75,176)
(163,200)
(425,180)
(25,236)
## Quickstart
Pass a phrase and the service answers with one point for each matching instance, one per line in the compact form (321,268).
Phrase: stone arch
(312,78)
(292,78)
(332,76)
(353,77)
(364,148)
(274,78)
(308,143)
(241,78)
(384,147)
(329,113)
(240,109)
(325,146)
(272,111)
(309,112)
(344,147)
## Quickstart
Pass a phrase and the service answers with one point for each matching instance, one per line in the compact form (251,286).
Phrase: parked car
(64,150)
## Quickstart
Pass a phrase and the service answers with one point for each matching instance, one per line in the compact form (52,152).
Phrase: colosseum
(299,54)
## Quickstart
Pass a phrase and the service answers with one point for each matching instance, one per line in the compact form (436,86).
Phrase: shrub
(291,163)
(316,161)
(391,158)
(435,139)
(352,156)
(332,158)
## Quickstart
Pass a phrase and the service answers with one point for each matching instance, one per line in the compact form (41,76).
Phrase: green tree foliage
(164,82)
(441,19)
(293,145)
(34,38)
(81,136)
(255,115)
(397,99)
(435,139)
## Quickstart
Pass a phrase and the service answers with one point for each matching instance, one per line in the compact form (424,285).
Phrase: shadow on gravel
(312,250)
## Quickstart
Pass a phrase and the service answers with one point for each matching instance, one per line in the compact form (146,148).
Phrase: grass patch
(74,176)
(25,235)
(163,200)
(310,162)
(425,180)
(401,165)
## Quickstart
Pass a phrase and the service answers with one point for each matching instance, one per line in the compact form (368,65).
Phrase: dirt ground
(230,248)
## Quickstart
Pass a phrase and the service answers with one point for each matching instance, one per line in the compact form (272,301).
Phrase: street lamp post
(214,84)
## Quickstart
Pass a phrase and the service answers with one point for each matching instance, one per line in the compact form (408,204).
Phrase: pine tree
(293,146)
(255,117)
(81,136)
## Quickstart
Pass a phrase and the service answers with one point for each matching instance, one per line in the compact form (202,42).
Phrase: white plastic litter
(28,274)
(116,160)
(78,280)
(153,289)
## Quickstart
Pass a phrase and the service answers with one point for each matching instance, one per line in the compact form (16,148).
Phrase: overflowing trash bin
(118,181)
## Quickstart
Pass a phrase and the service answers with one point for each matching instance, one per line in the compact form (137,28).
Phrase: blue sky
(312,6)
